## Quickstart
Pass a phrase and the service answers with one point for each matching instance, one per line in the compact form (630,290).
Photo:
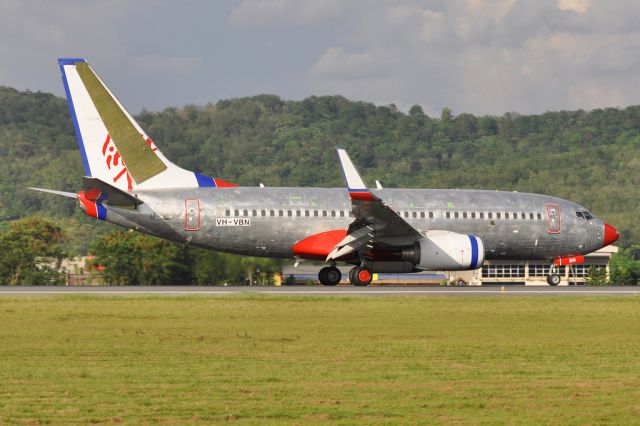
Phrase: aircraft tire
(352,278)
(360,276)
(553,280)
(330,276)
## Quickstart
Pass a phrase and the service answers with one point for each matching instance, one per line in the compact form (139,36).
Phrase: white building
(534,272)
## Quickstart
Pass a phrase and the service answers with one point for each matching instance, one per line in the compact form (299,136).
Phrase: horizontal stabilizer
(53,191)
(109,194)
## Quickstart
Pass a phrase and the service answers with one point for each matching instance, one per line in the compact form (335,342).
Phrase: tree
(625,270)
(597,276)
(31,252)
(130,258)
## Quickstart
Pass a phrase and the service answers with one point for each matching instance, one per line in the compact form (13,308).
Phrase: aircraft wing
(374,220)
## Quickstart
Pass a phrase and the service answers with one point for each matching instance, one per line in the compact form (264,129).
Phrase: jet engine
(446,251)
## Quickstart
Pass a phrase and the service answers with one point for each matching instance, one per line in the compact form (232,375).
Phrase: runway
(411,290)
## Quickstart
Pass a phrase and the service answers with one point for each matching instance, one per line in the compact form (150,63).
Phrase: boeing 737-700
(129,182)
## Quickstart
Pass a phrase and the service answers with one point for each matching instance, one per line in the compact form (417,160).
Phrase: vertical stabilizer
(114,147)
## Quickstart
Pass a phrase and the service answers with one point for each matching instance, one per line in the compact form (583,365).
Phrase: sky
(476,56)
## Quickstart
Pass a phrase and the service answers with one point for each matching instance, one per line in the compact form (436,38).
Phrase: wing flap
(352,242)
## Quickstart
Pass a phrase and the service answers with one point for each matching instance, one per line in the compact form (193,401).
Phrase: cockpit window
(584,215)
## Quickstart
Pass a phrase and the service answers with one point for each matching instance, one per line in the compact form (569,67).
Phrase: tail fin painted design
(114,147)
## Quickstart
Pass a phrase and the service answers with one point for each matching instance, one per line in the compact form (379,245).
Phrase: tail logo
(115,163)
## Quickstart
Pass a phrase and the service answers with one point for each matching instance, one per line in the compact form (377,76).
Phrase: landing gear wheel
(352,277)
(553,280)
(329,275)
(360,276)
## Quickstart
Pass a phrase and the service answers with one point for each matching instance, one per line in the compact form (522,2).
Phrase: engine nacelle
(446,251)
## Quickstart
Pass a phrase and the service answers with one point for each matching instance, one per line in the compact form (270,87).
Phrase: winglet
(357,189)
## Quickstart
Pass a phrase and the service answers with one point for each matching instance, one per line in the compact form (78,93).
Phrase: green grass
(256,360)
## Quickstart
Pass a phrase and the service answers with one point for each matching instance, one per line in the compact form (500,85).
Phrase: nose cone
(610,235)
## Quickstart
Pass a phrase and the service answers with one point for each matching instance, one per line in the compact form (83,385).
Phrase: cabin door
(553,218)
(191,215)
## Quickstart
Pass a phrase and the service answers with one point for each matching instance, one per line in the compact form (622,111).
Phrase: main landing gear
(329,275)
(360,276)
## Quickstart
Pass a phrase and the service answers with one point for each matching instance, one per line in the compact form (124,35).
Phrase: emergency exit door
(191,215)
(553,216)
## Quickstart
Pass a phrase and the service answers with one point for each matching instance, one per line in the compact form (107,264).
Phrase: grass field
(256,360)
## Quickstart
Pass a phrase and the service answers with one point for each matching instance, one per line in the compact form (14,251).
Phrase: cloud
(579,6)
(271,13)
(479,56)
(336,63)
(487,56)
(166,64)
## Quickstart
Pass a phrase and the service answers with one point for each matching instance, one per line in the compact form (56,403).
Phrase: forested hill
(592,158)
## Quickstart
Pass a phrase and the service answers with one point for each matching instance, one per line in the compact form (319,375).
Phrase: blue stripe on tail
(72,110)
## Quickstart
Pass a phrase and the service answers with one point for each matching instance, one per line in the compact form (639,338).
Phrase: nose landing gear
(553,279)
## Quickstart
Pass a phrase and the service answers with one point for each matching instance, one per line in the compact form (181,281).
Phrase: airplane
(130,183)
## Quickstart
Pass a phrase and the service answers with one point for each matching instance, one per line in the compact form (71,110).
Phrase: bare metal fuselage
(270,221)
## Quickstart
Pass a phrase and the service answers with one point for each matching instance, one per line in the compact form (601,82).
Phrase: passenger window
(531,216)
(333,213)
(246,212)
(464,215)
(506,215)
(236,212)
(539,216)
(497,215)
(289,213)
(324,213)
(421,215)
(298,213)
(448,215)
(481,215)
(455,215)
(415,215)
(306,213)
(315,213)
(280,213)
(524,216)
(490,215)
(430,215)
(263,213)
(227,212)
(473,215)
(272,213)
